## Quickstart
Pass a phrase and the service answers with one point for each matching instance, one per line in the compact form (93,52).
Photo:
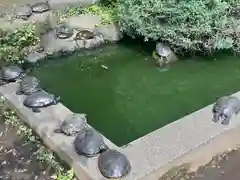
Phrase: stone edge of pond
(151,154)
(44,123)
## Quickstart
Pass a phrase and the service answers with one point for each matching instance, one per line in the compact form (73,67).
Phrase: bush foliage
(192,25)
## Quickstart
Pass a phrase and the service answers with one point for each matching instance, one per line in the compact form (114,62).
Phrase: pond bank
(17,157)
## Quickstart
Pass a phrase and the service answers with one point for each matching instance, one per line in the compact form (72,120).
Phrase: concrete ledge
(44,123)
(150,155)
(155,150)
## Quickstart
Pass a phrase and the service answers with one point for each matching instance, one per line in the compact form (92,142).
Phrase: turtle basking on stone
(23,12)
(28,85)
(10,74)
(163,55)
(40,7)
(224,108)
(64,32)
(113,164)
(40,100)
(84,34)
(89,143)
(73,124)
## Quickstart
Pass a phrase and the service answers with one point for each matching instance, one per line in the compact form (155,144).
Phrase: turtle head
(57,99)
(226,115)
(103,148)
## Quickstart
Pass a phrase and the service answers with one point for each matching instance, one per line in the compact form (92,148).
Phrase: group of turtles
(88,142)
(36,97)
(63,31)
(25,11)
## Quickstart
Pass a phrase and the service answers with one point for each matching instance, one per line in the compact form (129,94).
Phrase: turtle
(84,34)
(113,164)
(28,85)
(10,74)
(64,32)
(224,108)
(23,12)
(163,55)
(39,100)
(73,124)
(89,143)
(40,7)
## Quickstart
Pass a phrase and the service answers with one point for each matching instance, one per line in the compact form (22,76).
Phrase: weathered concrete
(150,155)
(44,123)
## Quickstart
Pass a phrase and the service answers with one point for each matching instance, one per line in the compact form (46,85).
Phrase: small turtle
(163,55)
(40,7)
(89,143)
(23,12)
(39,100)
(64,32)
(28,85)
(10,74)
(224,108)
(73,124)
(84,34)
(113,164)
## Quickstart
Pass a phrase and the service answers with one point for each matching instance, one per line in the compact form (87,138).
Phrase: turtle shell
(163,50)
(84,34)
(23,11)
(113,164)
(64,32)
(29,85)
(89,143)
(9,73)
(226,102)
(73,124)
(39,99)
(40,7)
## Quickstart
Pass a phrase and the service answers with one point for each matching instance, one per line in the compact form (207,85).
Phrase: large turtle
(163,55)
(113,164)
(73,124)
(40,7)
(63,31)
(224,108)
(10,74)
(23,12)
(84,34)
(39,100)
(28,85)
(89,143)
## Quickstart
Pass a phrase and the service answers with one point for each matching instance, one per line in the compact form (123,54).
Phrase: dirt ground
(17,161)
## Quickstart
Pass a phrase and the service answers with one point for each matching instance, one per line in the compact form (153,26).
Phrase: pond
(125,96)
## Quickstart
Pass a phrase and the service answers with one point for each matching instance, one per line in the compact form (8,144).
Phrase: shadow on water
(124,93)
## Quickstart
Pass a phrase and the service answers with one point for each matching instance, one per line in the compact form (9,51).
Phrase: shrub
(13,44)
(186,25)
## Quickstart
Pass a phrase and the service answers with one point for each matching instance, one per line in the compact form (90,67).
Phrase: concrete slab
(44,123)
(148,155)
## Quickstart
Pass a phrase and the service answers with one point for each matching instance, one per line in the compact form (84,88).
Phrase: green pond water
(132,97)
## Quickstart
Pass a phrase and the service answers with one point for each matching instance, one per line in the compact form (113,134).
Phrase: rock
(34,57)
(93,43)
(44,21)
(110,32)
(57,47)
(83,22)
(6,24)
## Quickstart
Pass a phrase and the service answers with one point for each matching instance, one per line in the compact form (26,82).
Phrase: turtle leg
(19,92)
(2,82)
(216,117)
(36,110)
(226,121)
